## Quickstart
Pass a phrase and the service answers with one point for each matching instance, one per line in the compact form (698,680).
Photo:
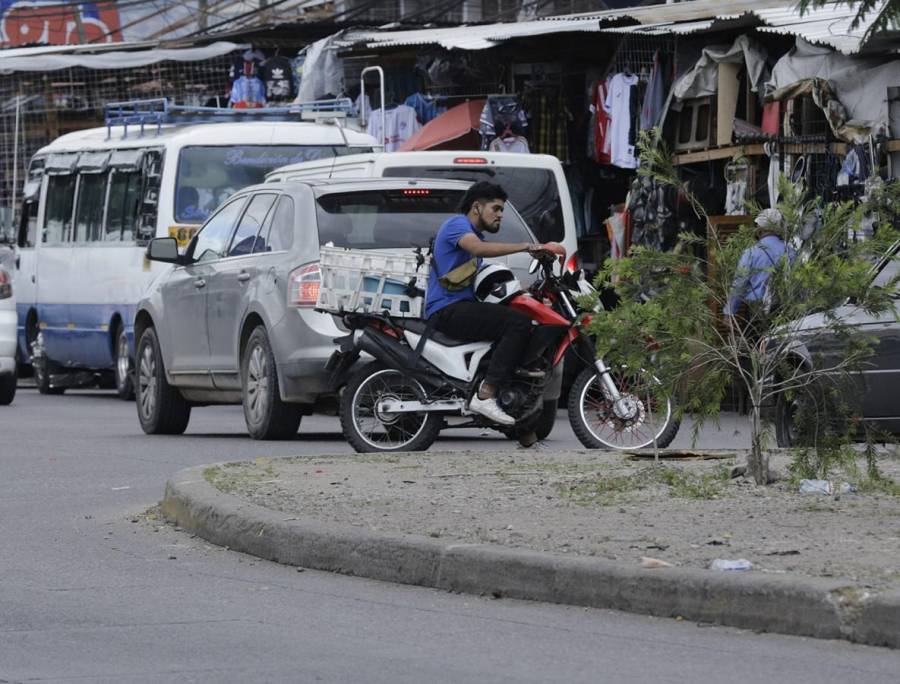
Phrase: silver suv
(233,320)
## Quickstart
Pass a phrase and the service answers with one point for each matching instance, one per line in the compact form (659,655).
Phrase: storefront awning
(110,56)
(455,129)
(828,25)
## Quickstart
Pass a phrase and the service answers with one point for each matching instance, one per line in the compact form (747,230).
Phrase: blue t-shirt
(447,256)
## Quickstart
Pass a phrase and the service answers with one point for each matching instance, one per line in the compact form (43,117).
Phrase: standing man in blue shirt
(748,290)
(456,311)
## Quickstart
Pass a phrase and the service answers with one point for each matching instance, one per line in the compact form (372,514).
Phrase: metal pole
(15,174)
(362,99)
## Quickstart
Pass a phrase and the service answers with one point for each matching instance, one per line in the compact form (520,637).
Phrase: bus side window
(28,224)
(89,208)
(124,205)
(58,213)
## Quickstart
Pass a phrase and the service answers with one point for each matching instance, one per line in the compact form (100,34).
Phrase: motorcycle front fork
(606,382)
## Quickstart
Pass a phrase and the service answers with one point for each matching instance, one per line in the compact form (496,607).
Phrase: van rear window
(532,191)
(407,217)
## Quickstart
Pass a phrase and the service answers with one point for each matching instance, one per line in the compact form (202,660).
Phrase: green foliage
(884,16)
(670,312)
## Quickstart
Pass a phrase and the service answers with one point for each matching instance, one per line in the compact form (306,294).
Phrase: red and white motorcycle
(402,399)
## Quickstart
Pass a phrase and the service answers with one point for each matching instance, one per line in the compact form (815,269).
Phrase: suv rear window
(532,191)
(407,217)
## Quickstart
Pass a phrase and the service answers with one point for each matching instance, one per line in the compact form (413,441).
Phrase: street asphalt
(94,590)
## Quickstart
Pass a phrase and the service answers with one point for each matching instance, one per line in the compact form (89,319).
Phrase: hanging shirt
(513,143)
(400,125)
(654,98)
(618,106)
(248,92)
(601,151)
(278,75)
(426,109)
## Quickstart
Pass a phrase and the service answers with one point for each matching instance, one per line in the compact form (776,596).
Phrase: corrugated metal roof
(828,25)
(477,37)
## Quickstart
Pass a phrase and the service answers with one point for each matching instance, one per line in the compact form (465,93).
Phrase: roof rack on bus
(161,111)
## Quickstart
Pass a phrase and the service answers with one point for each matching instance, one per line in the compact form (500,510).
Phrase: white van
(535,183)
(93,200)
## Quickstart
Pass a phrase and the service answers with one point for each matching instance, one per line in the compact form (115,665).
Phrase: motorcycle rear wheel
(367,430)
(597,426)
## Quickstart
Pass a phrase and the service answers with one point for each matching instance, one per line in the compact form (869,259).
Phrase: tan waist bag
(460,277)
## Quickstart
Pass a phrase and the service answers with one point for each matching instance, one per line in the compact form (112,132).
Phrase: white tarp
(859,84)
(323,71)
(112,59)
(703,79)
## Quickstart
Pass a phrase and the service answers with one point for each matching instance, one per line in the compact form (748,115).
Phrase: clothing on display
(512,143)
(655,95)
(548,120)
(502,116)
(248,92)
(363,106)
(855,168)
(652,208)
(601,152)
(736,179)
(277,74)
(426,108)
(618,107)
(400,125)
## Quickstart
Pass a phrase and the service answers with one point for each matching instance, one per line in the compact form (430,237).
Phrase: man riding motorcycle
(451,306)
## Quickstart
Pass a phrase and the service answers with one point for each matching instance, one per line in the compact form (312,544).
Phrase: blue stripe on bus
(78,335)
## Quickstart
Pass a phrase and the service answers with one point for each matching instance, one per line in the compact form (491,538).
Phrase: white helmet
(496,284)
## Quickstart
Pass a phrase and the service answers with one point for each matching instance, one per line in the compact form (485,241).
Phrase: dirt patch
(602,504)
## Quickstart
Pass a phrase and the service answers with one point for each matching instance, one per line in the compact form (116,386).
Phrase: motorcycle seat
(418,325)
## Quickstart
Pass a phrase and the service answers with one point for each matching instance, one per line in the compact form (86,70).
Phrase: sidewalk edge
(773,603)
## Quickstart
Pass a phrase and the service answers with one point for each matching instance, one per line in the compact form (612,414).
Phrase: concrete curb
(828,609)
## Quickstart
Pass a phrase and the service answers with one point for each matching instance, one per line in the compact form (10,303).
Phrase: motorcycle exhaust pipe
(398,356)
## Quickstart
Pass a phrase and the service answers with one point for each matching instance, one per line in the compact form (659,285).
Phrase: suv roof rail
(159,111)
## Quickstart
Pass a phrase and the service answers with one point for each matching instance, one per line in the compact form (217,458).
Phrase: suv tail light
(573,264)
(303,285)
(5,284)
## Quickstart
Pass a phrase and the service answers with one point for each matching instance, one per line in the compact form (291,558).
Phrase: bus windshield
(207,175)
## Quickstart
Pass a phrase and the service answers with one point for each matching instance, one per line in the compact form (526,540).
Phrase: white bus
(92,201)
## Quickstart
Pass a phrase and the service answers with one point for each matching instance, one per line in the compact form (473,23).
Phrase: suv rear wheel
(266,415)
(161,408)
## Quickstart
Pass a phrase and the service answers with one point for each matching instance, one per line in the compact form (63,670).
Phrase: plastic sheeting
(114,59)
(703,79)
(851,90)
(323,71)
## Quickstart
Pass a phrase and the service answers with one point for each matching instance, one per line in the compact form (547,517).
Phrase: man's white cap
(770,219)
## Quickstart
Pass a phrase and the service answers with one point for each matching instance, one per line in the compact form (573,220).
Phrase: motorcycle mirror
(534,266)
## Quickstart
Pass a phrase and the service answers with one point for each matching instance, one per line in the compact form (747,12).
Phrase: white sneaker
(489,408)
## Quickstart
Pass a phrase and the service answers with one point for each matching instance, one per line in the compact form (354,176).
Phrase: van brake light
(470,160)
(573,264)
(303,285)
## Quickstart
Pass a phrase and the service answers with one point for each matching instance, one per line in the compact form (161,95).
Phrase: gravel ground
(591,503)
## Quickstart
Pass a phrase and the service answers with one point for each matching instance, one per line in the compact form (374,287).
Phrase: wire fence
(48,104)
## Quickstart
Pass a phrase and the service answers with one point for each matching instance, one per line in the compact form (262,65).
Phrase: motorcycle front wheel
(642,416)
(369,430)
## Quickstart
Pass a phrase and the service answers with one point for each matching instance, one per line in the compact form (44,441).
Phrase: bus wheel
(44,368)
(123,371)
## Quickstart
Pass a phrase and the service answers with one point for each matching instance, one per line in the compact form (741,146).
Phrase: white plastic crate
(362,280)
